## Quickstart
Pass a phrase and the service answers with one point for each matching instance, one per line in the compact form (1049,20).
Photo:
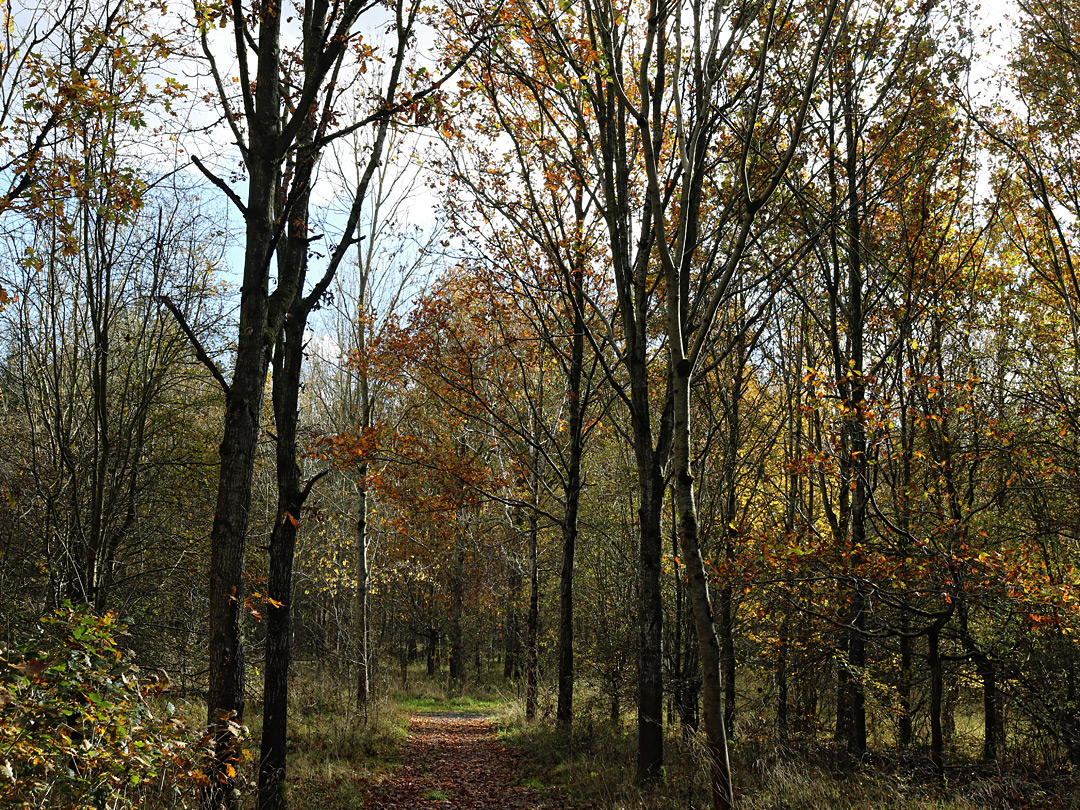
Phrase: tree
(391,260)
(282,112)
(93,240)
(539,232)
(94,376)
(688,257)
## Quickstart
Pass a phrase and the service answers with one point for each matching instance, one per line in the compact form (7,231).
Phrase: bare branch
(200,352)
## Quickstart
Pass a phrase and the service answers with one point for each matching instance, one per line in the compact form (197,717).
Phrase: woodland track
(453,760)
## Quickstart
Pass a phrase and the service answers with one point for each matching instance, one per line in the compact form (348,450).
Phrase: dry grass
(595,764)
(333,751)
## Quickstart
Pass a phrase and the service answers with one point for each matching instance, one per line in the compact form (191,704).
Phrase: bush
(77,725)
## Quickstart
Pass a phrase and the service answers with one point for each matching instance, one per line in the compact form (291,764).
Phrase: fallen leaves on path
(454,761)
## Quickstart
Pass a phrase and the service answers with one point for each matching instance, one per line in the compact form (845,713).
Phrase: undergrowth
(594,766)
(334,747)
(82,727)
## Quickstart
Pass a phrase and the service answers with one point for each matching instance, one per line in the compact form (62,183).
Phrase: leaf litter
(453,760)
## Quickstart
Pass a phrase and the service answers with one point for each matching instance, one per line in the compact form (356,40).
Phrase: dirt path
(453,760)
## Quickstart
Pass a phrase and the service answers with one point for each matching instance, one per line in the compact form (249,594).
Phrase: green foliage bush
(79,722)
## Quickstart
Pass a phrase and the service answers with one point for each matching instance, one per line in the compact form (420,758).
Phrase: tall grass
(594,766)
(335,748)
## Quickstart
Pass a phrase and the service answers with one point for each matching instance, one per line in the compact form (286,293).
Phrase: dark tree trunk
(564,713)
(730,518)
(532,627)
(843,688)
(512,628)
(984,666)
(782,725)
(272,134)
(432,644)
(937,740)
(1071,715)
(361,609)
(286,385)
(243,407)
(565,710)
(686,672)
(708,645)
(727,656)
(456,635)
(650,656)
(856,696)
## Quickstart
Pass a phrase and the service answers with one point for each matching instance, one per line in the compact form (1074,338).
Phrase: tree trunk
(286,385)
(937,742)
(985,668)
(512,627)
(712,708)
(843,679)
(727,656)
(361,609)
(685,670)
(565,711)
(650,655)
(904,689)
(730,516)
(856,698)
(708,644)
(457,600)
(532,626)
(243,409)
(782,726)
(288,359)
(1071,715)
(432,643)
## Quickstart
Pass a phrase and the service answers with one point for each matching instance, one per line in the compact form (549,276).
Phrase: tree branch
(221,184)
(200,352)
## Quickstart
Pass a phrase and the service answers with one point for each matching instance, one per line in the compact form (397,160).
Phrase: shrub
(77,725)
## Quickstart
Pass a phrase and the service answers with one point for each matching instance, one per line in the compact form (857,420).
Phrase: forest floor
(421,749)
(454,760)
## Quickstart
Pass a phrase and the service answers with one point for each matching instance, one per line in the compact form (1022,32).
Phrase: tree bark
(984,665)
(904,690)
(565,710)
(243,408)
(532,626)
(708,644)
(512,627)
(288,358)
(651,629)
(361,622)
(937,743)
(782,724)
(457,603)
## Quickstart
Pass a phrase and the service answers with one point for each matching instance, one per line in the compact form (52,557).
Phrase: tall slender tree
(282,112)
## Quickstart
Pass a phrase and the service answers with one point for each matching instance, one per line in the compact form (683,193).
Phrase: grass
(594,766)
(333,749)
(461,703)
(333,752)
(423,694)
